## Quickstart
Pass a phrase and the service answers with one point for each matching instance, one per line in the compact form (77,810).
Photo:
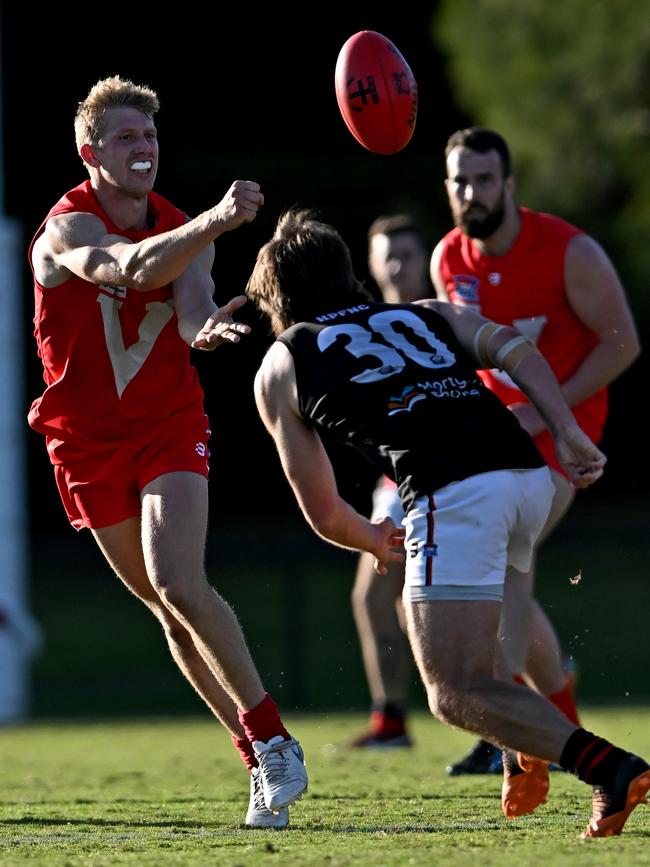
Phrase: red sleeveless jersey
(114,363)
(525,288)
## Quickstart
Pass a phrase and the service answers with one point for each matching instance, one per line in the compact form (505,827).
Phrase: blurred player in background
(398,383)
(398,263)
(122,286)
(558,287)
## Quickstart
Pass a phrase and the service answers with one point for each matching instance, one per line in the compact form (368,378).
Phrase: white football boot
(259,815)
(283,772)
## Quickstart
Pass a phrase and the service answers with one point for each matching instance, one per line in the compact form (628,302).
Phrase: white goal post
(19,636)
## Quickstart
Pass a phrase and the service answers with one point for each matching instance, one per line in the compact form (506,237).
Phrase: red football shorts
(104,488)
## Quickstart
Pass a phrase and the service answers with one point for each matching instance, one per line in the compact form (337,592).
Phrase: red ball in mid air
(376,92)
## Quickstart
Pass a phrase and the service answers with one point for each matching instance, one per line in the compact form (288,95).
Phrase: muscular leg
(376,603)
(174,525)
(161,560)
(526,633)
(121,545)
(544,668)
(454,644)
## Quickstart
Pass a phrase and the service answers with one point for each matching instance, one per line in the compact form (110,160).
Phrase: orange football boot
(525,784)
(613,804)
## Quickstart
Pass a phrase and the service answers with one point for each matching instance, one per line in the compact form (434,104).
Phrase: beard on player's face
(478,221)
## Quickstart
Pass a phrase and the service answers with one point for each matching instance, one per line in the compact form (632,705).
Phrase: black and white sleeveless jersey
(393,382)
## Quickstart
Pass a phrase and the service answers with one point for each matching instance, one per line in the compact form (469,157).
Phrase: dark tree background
(244,95)
(249,93)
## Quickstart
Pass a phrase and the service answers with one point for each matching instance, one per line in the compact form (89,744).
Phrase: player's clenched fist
(240,205)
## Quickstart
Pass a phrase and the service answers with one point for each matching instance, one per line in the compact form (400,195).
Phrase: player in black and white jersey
(398,383)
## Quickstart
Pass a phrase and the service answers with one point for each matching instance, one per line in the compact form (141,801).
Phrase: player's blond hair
(114,92)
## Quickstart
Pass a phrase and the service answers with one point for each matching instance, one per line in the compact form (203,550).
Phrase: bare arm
(193,291)
(504,347)
(308,469)
(597,297)
(595,293)
(201,323)
(436,279)
(78,244)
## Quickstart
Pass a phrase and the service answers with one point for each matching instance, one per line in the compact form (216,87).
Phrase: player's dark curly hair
(303,271)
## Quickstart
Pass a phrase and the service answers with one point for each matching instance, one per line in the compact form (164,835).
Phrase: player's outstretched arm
(518,357)
(78,244)
(504,347)
(309,470)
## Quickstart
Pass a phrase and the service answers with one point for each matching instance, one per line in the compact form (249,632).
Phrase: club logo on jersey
(494,278)
(466,289)
(127,361)
(405,402)
(326,316)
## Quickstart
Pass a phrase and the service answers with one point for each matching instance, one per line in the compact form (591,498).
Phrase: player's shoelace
(258,794)
(275,760)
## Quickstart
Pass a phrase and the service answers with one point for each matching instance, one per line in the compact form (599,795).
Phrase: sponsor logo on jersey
(404,403)
(466,288)
(429,549)
(201,449)
(449,387)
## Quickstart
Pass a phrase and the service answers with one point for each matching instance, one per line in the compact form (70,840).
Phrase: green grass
(165,792)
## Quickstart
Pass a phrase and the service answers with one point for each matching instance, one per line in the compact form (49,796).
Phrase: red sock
(381,724)
(263,722)
(245,749)
(564,701)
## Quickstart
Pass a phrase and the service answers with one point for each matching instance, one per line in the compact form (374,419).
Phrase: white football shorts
(460,539)
(386,502)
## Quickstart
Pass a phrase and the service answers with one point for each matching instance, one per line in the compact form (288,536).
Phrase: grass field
(173,792)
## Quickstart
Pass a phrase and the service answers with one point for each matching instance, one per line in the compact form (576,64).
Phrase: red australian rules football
(376,92)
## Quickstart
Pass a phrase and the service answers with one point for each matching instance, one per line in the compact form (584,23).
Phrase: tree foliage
(567,85)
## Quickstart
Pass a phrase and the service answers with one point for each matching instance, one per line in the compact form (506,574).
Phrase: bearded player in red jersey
(557,286)
(121,276)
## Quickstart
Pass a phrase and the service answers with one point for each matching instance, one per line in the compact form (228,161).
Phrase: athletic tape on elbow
(512,352)
(481,342)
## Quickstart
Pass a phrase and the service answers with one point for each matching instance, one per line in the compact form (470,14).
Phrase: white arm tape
(525,343)
(482,339)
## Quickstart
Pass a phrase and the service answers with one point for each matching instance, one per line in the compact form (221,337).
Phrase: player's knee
(177,593)
(439,701)
(445,703)
(177,634)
